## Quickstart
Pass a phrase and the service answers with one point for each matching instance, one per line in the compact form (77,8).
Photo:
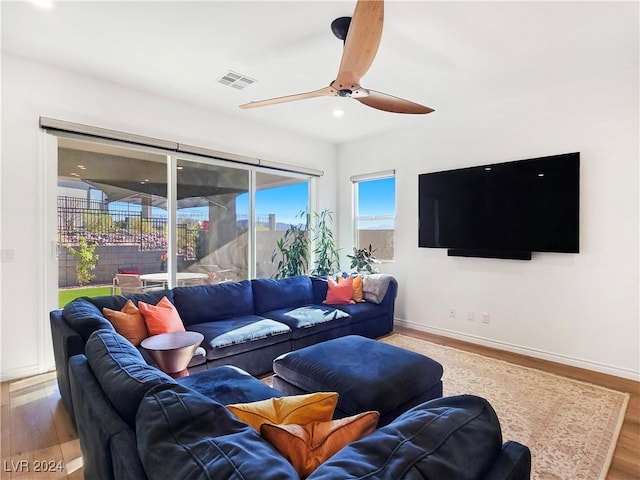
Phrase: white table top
(172,341)
(164,276)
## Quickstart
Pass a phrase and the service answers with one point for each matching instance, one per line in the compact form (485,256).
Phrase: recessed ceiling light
(42,3)
(338,112)
(179,168)
(487,169)
(82,167)
(541,174)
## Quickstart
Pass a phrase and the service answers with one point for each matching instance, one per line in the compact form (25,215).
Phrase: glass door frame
(50,167)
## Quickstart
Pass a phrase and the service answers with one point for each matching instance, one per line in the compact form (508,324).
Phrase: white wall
(31,90)
(579,309)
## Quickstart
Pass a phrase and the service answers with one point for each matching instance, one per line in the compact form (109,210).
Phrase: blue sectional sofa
(135,423)
(246,324)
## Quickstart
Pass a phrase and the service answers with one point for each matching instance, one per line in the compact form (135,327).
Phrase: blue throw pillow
(184,435)
(122,372)
(452,437)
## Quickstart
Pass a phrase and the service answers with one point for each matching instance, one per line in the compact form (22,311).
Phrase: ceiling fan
(361,35)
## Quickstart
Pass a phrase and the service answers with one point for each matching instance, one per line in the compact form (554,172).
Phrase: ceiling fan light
(338,112)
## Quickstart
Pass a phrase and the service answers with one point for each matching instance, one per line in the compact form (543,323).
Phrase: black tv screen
(503,210)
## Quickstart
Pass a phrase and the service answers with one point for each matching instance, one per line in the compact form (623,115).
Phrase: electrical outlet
(485,317)
(452,313)
(470,316)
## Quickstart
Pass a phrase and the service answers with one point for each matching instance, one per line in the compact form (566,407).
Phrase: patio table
(181,278)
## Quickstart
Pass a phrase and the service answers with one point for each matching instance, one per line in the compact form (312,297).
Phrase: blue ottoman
(368,375)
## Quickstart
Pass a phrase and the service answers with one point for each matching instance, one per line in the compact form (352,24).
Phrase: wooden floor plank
(67,438)
(35,446)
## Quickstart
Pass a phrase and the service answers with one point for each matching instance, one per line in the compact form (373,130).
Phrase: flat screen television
(502,210)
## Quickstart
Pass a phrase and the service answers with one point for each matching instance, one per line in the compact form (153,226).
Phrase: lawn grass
(67,295)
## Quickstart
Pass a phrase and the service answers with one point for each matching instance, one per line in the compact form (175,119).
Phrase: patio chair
(130,271)
(130,283)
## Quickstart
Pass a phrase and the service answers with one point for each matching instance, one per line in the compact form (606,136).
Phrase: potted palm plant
(292,250)
(327,260)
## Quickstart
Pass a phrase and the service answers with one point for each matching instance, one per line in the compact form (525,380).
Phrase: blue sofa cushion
(185,435)
(121,372)
(228,384)
(369,375)
(270,294)
(240,334)
(451,437)
(316,317)
(85,318)
(206,303)
(320,287)
(116,302)
(364,311)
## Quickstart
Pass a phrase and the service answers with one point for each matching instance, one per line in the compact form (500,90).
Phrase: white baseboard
(21,372)
(531,352)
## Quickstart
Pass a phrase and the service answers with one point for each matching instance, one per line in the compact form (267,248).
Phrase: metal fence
(103,225)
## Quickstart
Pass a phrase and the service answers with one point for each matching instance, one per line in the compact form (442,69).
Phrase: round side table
(173,351)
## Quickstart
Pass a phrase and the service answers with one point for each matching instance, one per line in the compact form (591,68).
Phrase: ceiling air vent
(236,80)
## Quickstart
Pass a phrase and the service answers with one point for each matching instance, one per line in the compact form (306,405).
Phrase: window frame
(357,218)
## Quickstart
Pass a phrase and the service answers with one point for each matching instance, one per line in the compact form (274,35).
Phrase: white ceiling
(446,55)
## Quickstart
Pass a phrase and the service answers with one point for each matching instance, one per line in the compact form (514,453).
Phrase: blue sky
(377,197)
(286,202)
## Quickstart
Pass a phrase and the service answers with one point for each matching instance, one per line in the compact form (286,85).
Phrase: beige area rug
(571,427)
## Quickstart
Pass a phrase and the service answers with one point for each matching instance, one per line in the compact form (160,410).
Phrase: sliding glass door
(112,218)
(280,201)
(133,218)
(212,240)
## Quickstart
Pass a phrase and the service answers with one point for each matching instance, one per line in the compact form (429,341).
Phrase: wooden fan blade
(389,103)
(323,92)
(361,44)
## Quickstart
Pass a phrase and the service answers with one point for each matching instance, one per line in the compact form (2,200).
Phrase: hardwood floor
(38,438)
(39,441)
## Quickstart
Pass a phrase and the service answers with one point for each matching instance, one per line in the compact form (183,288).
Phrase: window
(149,213)
(374,212)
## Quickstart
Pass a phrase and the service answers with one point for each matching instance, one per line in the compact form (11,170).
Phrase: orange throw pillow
(161,318)
(128,322)
(307,446)
(358,295)
(339,293)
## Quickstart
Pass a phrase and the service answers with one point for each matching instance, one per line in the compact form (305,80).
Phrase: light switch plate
(7,255)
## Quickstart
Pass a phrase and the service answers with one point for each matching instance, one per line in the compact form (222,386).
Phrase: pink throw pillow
(161,318)
(340,293)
